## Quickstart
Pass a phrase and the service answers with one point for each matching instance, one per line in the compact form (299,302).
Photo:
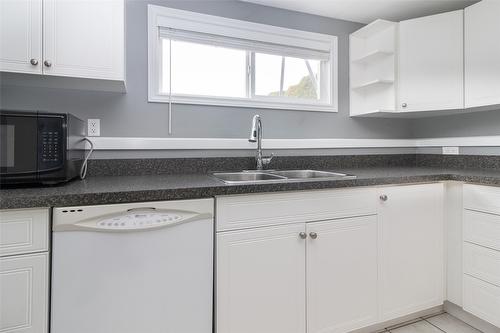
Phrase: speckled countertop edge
(123,189)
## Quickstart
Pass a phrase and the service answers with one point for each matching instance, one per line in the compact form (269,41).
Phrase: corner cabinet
(431,62)
(411,249)
(322,261)
(24,271)
(444,64)
(482,54)
(63,38)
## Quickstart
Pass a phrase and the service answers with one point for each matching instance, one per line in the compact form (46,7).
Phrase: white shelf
(373,70)
(372,56)
(373,28)
(378,113)
(413,114)
(373,83)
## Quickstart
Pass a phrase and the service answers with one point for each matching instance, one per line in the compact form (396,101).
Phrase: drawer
(247,211)
(482,229)
(24,231)
(482,299)
(482,263)
(482,198)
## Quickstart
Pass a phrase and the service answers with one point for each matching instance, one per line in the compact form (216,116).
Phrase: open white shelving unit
(373,69)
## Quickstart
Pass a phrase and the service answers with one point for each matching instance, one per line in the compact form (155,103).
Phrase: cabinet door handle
(47,63)
(404,105)
(313,235)
(303,235)
(383,197)
(34,62)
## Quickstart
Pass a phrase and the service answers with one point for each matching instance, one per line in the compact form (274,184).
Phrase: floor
(436,324)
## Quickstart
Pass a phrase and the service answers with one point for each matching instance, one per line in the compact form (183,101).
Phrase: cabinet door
(431,62)
(24,294)
(342,274)
(411,249)
(21,36)
(261,280)
(84,38)
(482,54)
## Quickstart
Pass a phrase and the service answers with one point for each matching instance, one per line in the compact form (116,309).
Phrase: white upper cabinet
(63,38)
(411,249)
(431,62)
(482,54)
(84,38)
(21,36)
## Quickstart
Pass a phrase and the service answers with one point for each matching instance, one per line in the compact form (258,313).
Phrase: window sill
(244,103)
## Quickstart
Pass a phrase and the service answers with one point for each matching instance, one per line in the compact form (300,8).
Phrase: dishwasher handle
(138,209)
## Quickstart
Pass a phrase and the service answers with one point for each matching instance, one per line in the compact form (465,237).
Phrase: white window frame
(163,17)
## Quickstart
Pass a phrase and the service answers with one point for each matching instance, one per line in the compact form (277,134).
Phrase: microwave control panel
(50,143)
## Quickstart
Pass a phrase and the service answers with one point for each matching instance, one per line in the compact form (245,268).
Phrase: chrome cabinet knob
(303,235)
(313,235)
(34,62)
(383,197)
(404,105)
(47,63)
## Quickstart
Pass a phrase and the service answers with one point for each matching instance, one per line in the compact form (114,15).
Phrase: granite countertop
(121,189)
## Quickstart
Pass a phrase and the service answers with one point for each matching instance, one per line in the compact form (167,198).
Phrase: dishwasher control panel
(131,217)
(138,220)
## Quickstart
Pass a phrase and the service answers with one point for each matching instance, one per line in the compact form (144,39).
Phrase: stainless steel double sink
(276,176)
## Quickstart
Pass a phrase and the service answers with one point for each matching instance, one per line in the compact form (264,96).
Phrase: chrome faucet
(256,136)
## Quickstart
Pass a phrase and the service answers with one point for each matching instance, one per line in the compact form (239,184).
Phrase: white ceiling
(366,11)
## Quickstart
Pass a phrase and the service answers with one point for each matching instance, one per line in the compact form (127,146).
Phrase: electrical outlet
(94,127)
(450,151)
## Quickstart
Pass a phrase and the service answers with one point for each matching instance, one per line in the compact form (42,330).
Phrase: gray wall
(131,115)
(467,124)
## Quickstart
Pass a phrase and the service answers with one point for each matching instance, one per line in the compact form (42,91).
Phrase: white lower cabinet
(411,249)
(337,274)
(24,293)
(24,270)
(482,299)
(260,280)
(481,252)
(342,274)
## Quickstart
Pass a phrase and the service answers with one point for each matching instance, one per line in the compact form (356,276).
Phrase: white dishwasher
(133,268)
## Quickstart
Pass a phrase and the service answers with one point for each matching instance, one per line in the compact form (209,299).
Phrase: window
(202,59)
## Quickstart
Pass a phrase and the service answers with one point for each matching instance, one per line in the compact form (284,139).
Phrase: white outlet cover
(94,127)
(451,151)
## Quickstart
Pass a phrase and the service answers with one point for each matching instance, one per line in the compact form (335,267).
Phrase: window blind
(244,44)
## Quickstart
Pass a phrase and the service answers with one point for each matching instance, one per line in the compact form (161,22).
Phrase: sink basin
(247,177)
(308,174)
(271,176)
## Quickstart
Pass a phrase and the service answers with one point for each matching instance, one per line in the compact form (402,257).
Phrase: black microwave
(39,147)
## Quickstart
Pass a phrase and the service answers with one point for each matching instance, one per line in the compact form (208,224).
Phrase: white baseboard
(466,317)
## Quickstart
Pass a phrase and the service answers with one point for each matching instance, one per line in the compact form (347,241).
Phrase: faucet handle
(267,160)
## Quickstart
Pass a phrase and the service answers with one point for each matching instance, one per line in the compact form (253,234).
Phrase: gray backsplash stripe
(155,166)
(121,167)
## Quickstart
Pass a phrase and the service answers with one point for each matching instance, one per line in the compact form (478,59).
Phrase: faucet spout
(256,136)
(253,132)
